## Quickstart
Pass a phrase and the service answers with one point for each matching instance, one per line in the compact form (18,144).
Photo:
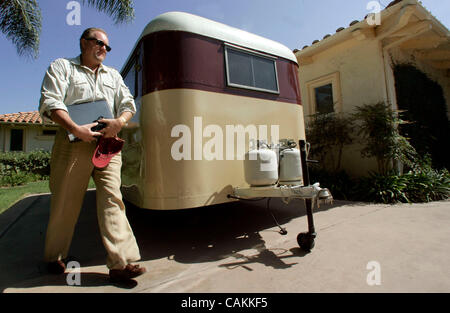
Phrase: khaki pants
(71,167)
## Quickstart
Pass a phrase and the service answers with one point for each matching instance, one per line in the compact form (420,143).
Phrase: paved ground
(237,248)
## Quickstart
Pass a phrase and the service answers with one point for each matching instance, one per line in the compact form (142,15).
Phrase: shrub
(413,187)
(427,184)
(421,184)
(341,186)
(16,179)
(380,188)
(381,137)
(17,168)
(328,134)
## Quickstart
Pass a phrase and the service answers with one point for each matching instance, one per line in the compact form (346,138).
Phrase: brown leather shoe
(128,272)
(56,267)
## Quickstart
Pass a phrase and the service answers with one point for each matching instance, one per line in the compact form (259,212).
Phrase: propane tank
(260,166)
(290,167)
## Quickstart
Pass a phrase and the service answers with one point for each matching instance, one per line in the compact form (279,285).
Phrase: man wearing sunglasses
(78,80)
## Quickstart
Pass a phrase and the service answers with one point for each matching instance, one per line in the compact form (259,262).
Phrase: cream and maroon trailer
(193,80)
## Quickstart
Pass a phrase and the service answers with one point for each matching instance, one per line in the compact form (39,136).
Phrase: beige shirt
(67,82)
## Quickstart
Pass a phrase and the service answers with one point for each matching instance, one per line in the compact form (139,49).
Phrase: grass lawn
(10,195)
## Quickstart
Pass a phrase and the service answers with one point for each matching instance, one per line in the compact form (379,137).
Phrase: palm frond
(120,10)
(20,21)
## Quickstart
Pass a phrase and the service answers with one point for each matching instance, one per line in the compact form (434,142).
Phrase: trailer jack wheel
(306,241)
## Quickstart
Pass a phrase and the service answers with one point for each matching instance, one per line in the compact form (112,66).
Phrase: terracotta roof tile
(32,117)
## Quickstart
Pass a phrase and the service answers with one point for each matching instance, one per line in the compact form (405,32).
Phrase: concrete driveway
(237,248)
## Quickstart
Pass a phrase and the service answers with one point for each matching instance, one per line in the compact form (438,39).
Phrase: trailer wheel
(305,241)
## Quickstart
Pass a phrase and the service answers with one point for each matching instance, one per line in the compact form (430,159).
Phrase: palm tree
(20,20)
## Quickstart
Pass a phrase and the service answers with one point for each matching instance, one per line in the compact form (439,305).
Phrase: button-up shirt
(67,82)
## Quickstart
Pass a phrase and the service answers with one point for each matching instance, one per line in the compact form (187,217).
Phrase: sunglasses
(100,43)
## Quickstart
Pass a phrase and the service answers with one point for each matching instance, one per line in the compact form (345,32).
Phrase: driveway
(238,248)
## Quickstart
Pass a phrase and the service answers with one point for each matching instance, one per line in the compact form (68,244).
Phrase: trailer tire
(305,241)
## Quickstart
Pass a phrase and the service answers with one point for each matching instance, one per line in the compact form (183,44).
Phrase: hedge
(18,168)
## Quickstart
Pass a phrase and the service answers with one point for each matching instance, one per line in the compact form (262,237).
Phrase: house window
(16,143)
(250,70)
(49,132)
(324,98)
(324,94)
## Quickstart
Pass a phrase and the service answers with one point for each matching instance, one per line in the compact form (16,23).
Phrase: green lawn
(10,195)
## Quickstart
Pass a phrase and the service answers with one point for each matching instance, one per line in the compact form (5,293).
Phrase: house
(24,131)
(403,59)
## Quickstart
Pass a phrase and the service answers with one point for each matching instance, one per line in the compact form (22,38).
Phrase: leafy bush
(421,184)
(379,188)
(341,186)
(381,137)
(328,134)
(377,125)
(17,168)
(17,179)
(427,185)
(412,187)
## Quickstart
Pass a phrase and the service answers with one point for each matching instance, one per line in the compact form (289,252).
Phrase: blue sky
(294,23)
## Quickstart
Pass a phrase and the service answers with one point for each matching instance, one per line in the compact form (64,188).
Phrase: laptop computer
(88,112)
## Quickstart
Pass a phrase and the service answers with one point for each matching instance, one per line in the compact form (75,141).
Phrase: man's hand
(113,127)
(85,133)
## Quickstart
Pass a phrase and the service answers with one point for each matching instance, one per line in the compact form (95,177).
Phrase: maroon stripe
(174,59)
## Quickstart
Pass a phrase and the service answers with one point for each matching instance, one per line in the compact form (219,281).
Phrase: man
(78,80)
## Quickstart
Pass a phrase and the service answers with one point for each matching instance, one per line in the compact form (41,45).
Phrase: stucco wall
(36,141)
(361,79)
(33,138)
(360,67)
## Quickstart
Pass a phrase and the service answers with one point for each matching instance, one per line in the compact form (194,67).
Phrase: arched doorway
(425,106)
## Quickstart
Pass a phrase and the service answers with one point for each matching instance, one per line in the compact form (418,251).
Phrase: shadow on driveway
(191,236)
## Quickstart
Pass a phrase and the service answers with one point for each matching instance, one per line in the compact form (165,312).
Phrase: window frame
(133,65)
(332,97)
(228,46)
(334,80)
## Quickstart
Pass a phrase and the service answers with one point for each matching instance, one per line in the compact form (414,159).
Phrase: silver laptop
(88,112)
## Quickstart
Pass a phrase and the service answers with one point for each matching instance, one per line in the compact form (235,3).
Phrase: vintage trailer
(210,97)
(197,83)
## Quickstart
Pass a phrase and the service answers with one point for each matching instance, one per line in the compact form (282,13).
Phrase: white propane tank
(290,167)
(261,167)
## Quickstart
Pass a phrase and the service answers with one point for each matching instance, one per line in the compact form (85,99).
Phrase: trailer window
(130,78)
(250,70)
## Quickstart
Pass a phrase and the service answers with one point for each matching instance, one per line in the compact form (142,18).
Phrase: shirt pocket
(79,90)
(108,89)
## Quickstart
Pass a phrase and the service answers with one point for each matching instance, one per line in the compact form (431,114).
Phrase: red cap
(106,149)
